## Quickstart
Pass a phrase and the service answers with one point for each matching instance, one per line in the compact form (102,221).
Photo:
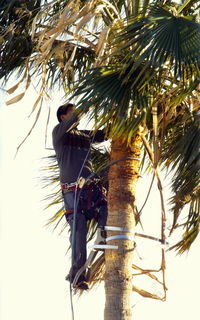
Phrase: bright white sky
(34,261)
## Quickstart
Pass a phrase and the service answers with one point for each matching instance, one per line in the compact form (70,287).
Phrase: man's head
(65,111)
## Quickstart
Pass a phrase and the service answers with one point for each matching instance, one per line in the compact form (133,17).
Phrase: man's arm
(64,126)
(98,136)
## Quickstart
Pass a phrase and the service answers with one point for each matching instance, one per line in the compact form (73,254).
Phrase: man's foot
(81,283)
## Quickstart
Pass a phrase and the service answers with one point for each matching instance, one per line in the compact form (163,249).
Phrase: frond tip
(192,226)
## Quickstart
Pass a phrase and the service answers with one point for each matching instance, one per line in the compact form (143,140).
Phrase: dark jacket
(71,146)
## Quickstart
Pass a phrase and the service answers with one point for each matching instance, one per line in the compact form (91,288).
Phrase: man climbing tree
(82,197)
(143,57)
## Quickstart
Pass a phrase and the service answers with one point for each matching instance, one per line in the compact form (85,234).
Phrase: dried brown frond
(96,272)
(147,294)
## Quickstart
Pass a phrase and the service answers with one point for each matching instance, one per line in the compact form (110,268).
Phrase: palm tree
(144,81)
(147,92)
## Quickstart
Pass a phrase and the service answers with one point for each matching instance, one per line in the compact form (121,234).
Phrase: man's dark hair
(63,109)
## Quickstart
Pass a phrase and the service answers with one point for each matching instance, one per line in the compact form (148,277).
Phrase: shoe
(82,285)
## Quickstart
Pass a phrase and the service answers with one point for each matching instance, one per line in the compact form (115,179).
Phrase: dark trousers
(98,212)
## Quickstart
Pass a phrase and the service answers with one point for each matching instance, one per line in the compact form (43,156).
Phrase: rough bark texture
(123,177)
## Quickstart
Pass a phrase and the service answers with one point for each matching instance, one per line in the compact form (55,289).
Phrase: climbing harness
(65,186)
(86,204)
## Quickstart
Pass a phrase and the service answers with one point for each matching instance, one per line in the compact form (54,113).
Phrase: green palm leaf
(104,92)
(159,38)
(191,225)
(182,153)
(16,44)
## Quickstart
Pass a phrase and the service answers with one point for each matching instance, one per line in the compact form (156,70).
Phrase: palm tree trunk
(123,177)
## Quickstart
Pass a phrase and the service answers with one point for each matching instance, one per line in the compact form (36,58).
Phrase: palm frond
(16,43)
(67,60)
(104,92)
(181,153)
(192,226)
(162,39)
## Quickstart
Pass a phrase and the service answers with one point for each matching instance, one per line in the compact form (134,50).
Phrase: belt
(74,186)
(68,185)
(79,184)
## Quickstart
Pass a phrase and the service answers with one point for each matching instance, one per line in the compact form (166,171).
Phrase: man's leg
(80,254)
(100,199)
